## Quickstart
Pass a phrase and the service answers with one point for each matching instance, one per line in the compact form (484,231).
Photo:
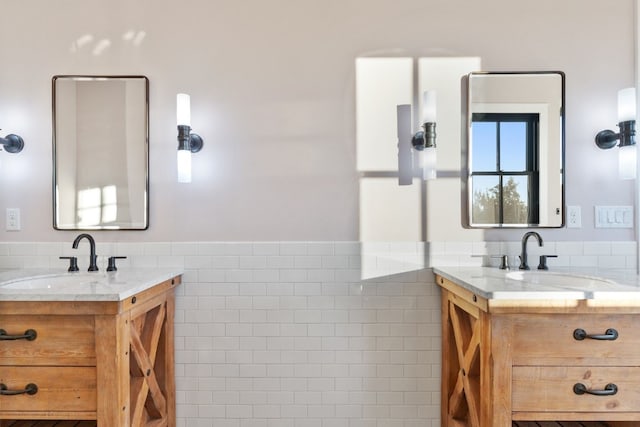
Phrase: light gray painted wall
(272,89)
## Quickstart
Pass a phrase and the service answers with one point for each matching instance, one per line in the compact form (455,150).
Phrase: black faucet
(523,254)
(92,250)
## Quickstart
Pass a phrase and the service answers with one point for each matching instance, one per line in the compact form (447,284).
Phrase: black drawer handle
(609,335)
(29,389)
(609,390)
(29,335)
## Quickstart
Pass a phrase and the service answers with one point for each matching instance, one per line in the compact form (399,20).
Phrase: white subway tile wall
(288,334)
(310,334)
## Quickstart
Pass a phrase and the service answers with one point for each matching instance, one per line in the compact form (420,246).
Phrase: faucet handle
(543,261)
(73,263)
(112,262)
(504,261)
(93,263)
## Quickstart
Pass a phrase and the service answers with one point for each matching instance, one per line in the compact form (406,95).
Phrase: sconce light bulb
(183,109)
(429,106)
(184,166)
(626,104)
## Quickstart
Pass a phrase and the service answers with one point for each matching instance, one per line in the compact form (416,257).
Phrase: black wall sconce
(424,141)
(188,142)
(12,143)
(627,123)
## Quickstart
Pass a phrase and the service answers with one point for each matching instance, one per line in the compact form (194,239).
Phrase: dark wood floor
(559,424)
(55,423)
(47,423)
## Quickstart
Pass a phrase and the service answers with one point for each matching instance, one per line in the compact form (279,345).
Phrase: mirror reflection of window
(109,204)
(504,168)
(88,207)
(97,206)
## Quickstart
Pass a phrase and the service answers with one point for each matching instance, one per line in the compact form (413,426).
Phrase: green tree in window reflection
(486,205)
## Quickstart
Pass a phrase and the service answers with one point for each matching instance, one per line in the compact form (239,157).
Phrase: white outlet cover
(574,217)
(13,219)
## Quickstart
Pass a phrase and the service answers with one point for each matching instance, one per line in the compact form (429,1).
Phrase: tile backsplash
(318,334)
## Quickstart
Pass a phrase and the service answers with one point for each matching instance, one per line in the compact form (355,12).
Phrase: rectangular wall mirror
(100,152)
(515,150)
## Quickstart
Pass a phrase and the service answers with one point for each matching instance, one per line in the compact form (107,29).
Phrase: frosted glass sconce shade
(627,162)
(183,109)
(188,142)
(626,136)
(429,166)
(627,104)
(429,106)
(184,166)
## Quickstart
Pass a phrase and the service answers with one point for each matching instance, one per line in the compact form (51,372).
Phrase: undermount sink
(51,281)
(565,280)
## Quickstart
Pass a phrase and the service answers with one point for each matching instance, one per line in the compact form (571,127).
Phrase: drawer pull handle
(29,389)
(29,335)
(609,390)
(609,335)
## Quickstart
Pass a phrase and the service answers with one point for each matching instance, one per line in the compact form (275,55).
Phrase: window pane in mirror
(484,146)
(513,146)
(515,190)
(486,203)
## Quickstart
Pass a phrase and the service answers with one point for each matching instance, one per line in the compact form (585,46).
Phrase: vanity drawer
(60,341)
(551,389)
(59,389)
(542,339)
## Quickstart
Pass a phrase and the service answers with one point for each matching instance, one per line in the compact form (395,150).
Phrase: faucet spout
(93,266)
(523,254)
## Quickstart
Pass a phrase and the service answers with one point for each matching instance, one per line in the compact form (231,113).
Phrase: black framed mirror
(100,152)
(514,171)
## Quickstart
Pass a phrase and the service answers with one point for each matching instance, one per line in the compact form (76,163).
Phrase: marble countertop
(57,285)
(566,284)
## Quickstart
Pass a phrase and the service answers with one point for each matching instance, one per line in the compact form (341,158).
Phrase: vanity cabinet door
(545,339)
(59,341)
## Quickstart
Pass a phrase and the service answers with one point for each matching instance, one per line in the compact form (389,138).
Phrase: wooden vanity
(105,363)
(512,362)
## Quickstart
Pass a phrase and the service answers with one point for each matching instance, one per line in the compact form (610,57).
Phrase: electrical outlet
(13,219)
(574,217)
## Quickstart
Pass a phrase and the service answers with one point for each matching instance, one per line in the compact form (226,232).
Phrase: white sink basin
(564,280)
(54,281)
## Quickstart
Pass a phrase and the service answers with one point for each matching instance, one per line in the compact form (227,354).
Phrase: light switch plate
(614,216)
